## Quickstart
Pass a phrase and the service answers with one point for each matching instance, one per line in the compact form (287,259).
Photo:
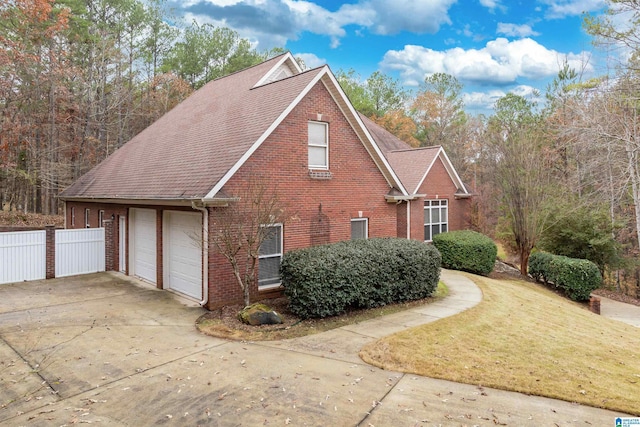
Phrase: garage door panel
(144,244)
(183,253)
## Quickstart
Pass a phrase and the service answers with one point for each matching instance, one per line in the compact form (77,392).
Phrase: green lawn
(523,337)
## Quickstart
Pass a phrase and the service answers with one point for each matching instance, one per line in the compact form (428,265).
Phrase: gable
(414,166)
(194,149)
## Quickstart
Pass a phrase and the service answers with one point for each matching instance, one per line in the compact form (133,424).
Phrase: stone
(259,314)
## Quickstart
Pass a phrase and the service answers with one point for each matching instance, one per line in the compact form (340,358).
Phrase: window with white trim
(359,228)
(270,255)
(436,218)
(73,216)
(87,214)
(318,145)
(100,218)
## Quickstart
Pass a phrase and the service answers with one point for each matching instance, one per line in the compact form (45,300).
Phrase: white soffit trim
(265,135)
(394,181)
(287,59)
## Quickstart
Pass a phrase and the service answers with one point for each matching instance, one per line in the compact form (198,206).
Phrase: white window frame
(269,256)
(324,146)
(73,216)
(442,206)
(366,227)
(101,218)
(87,217)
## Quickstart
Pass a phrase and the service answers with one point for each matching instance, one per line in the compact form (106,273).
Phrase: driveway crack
(377,403)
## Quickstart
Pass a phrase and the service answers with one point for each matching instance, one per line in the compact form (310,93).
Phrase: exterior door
(143,244)
(183,252)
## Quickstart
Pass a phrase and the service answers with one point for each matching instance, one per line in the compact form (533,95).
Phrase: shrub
(539,265)
(466,250)
(577,277)
(326,280)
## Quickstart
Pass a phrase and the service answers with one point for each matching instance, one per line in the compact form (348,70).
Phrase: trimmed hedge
(577,277)
(326,280)
(466,250)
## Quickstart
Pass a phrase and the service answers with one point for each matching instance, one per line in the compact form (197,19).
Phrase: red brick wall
(438,185)
(356,186)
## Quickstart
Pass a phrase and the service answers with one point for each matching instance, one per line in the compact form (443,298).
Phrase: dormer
(286,67)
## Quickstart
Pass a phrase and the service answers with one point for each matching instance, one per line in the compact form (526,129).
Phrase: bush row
(326,280)
(466,250)
(577,277)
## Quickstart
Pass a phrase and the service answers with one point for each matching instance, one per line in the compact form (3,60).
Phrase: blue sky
(491,46)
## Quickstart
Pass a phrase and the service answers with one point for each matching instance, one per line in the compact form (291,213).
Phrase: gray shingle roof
(188,150)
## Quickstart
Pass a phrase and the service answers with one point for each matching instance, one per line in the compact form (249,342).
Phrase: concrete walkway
(623,312)
(104,349)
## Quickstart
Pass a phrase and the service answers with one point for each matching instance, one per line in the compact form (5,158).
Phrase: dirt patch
(22,219)
(224,322)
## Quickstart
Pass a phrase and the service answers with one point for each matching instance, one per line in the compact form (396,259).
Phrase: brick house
(345,177)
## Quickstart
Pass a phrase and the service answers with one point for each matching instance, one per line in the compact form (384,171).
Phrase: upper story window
(87,217)
(100,218)
(318,145)
(436,218)
(73,216)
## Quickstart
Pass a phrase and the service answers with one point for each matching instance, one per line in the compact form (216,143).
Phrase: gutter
(205,252)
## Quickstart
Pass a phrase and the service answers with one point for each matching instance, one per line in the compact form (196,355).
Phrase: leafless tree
(239,229)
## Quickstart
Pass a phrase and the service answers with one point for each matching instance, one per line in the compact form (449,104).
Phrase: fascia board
(390,176)
(211,194)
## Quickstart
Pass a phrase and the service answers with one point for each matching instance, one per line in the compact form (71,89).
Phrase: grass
(224,323)
(523,337)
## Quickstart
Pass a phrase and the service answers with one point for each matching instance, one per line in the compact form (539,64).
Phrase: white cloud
(558,9)
(491,4)
(484,102)
(311,60)
(287,19)
(500,62)
(514,30)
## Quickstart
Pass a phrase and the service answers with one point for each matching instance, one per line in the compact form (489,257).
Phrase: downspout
(409,219)
(205,252)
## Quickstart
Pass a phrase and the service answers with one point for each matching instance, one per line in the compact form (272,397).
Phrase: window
(436,218)
(100,218)
(270,255)
(359,228)
(87,213)
(73,216)
(318,145)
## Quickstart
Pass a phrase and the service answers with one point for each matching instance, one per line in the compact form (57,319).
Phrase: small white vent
(320,175)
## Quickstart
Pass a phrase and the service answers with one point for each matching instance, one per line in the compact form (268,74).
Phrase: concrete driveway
(108,350)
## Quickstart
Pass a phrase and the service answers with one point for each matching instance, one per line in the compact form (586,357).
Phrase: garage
(183,252)
(142,236)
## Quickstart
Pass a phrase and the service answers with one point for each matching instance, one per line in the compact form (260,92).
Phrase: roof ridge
(431,147)
(288,77)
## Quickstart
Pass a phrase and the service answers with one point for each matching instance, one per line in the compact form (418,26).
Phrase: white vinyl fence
(22,256)
(79,251)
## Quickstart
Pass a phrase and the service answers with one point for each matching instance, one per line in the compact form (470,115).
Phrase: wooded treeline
(79,78)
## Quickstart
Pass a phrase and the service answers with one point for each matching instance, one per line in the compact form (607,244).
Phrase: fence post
(109,248)
(50,232)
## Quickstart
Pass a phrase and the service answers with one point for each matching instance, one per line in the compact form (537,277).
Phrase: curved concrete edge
(463,294)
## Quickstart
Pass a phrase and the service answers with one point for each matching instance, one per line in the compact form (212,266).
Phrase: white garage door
(183,252)
(143,247)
